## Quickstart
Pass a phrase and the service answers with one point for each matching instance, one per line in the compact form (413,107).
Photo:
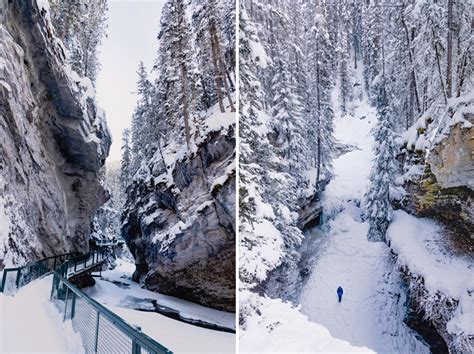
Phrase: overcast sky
(131,37)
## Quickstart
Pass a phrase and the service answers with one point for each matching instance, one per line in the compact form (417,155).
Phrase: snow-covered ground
(420,246)
(370,317)
(177,336)
(372,309)
(110,294)
(30,323)
(352,169)
(167,331)
(282,328)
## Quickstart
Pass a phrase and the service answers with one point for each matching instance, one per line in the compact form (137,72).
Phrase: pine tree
(253,152)
(142,132)
(207,29)
(321,115)
(371,47)
(345,84)
(377,199)
(287,120)
(125,170)
(178,82)
(81,25)
(226,26)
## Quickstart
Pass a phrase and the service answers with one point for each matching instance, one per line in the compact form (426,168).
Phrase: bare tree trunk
(440,74)
(185,105)
(355,50)
(230,80)
(425,95)
(463,65)
(412,66)
(318,126)
(216,72)
(449,68)
(221,66)
(161,153)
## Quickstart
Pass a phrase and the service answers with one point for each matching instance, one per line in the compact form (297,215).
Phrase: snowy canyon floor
(121,295)
(373,305)
(371,315)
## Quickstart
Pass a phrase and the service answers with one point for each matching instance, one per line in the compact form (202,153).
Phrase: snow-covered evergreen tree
(207,27)
(142,131)
(382,178)
(126,166)
(81,25)
(287,119)
(178,81)
(371,47)
(320,83)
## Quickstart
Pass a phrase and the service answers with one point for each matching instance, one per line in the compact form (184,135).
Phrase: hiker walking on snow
(339,293)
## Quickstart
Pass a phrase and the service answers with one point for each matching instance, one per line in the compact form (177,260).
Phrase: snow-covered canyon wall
(53,141)
(435,252)
(179,222)
(438,177)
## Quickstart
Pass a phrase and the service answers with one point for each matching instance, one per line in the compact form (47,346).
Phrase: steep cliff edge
(439,176)
(434,242)
(179,222)
(53,141)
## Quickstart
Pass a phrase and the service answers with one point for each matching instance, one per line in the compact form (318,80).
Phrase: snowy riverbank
(121,295)
(31,323)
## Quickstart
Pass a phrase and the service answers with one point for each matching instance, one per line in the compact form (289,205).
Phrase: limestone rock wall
(445,190)
(180,224)
(452,159)
(53,141)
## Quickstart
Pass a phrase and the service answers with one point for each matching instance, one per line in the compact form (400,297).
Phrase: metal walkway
(68,265)
(101,330)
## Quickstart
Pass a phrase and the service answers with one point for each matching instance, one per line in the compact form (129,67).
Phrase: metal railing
(80,264)
(15,278)
(101,330)
(68,265)
(104,243)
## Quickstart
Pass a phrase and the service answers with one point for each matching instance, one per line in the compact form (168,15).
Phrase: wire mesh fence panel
(23,275)
(10,282)
(144,350)
(111,339)
(71,269)
(84,322)
(59,296)
(101,330)
(30,273)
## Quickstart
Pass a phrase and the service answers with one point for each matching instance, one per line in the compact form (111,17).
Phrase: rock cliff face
(452,159)
(53,141)
(445,190)
(180,224)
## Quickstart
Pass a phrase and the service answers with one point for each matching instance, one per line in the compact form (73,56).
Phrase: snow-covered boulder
(53,141)
(179,222)
(439,181)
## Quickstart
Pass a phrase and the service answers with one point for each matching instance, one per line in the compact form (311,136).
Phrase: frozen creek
(374,302)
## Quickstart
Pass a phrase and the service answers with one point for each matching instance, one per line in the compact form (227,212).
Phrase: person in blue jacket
(339,293)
